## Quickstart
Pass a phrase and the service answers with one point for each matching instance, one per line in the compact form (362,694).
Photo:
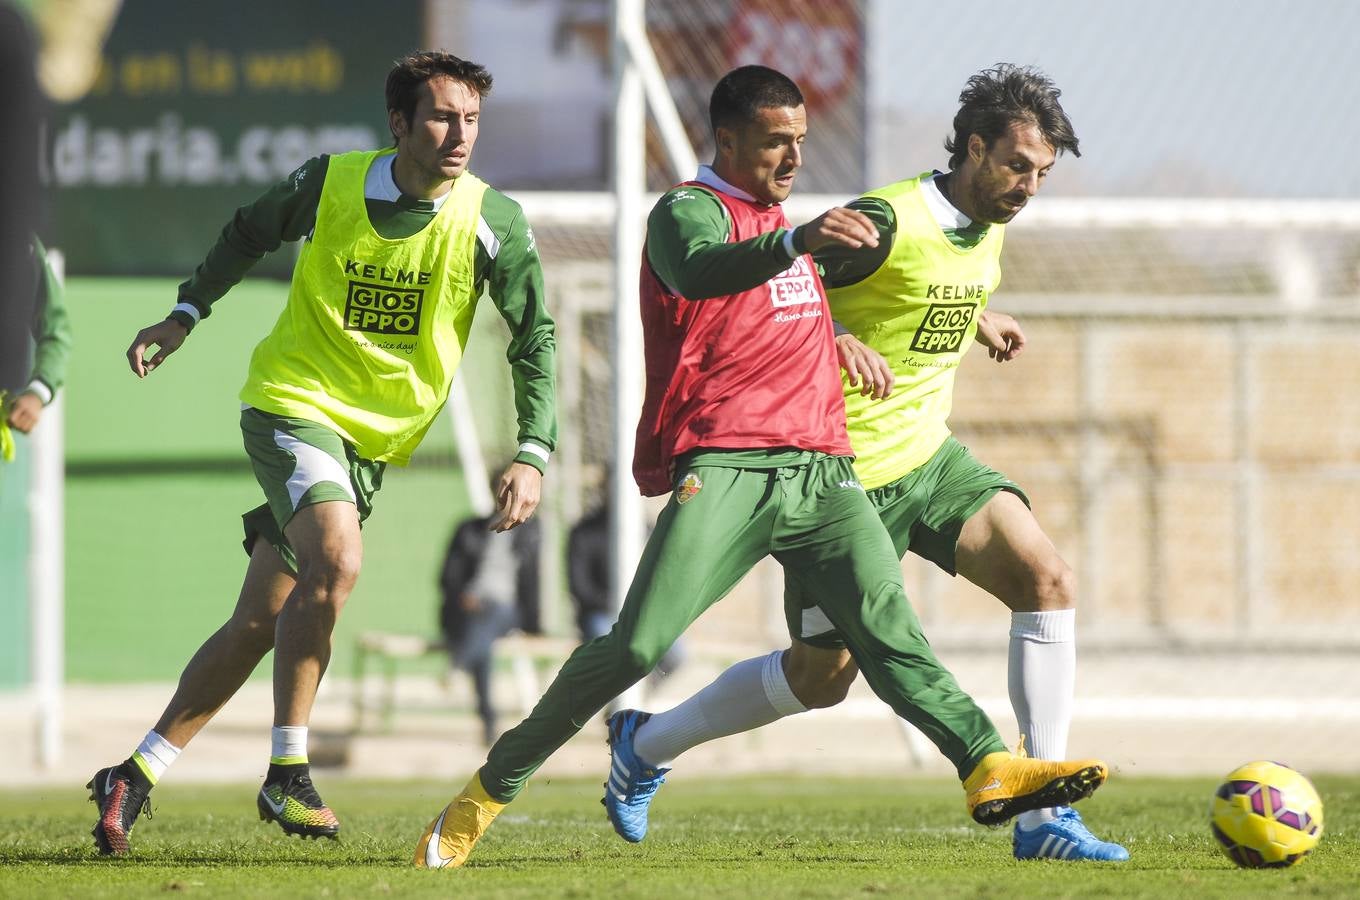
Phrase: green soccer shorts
(814,518)
(924,512)
(297,463)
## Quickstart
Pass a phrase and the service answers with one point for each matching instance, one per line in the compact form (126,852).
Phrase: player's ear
(397,123)
(725,139)
(977,148)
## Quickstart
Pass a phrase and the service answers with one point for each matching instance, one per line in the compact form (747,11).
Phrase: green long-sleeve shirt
(506,266)
(51,329)
(843,266)
(687,245)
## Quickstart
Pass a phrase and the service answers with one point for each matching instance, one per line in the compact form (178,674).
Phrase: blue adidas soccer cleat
(632,783)
(1066,837)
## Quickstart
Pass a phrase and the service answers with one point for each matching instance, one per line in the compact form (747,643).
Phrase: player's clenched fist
(838,225)
(24,412)
(166,336)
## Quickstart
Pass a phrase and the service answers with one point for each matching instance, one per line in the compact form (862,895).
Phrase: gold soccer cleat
(449,839)
(1004,784)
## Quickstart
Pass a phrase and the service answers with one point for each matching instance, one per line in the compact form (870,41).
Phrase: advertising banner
(199,108)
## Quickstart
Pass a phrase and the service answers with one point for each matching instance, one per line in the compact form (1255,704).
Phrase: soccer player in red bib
(744,423)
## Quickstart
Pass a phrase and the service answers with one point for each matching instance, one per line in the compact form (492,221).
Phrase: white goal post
(47,567)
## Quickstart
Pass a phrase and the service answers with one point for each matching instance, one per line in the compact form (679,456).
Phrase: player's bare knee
(821,680)
(1054,586)
(328,577)
(827,692)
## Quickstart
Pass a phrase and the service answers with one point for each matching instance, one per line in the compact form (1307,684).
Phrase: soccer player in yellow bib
(906,311)
(398,246)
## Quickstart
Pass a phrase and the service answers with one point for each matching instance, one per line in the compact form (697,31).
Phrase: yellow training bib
(920,311)
(374,328)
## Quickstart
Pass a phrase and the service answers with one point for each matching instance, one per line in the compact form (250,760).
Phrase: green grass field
(736,838)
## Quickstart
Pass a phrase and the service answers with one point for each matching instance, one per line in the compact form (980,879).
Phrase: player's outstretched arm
(864,367)
(838,225)
(517,494)
(1001,335)
(166,335)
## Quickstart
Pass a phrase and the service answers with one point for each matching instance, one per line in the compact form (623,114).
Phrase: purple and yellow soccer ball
(1266,815)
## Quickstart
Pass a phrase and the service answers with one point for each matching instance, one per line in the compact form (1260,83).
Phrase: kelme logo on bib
(383,309)
(690,485)
(943,327)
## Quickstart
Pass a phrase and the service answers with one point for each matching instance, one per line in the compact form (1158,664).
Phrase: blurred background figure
(51,332)
(588,573)
(20,123)
(489,588)
(588,582)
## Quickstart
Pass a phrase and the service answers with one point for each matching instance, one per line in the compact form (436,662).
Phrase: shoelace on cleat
(1074,826)
(136,795)
(300,788)
(644,787)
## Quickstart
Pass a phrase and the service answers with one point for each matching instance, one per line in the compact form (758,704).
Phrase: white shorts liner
(815,622)
(313,467)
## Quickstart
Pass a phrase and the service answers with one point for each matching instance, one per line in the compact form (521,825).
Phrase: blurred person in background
(488,587)
(918,297)
(588,552)
(51,330)
(588,582)
(20,123)
(398,245)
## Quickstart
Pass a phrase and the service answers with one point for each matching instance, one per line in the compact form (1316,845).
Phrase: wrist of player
(533,454)
(186,314)
(40,390)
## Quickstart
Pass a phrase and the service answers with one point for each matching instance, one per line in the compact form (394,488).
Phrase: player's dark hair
(742,93)
(997,98)
(409,73)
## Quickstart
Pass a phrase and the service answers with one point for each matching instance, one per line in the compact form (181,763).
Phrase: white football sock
(752,693)
(154,755)
(1042,675)
(288,744)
